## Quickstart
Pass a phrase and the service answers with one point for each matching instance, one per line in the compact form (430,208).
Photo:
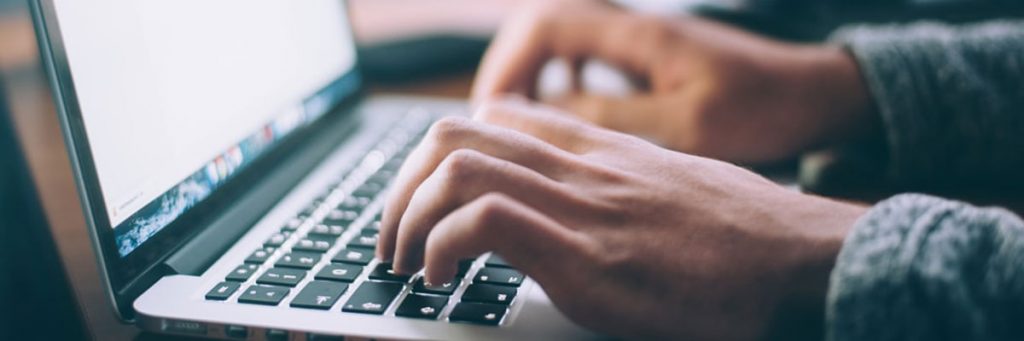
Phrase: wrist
(822,225)
(845,106)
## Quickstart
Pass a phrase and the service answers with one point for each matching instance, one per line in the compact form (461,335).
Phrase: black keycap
(368,190)
(479,313)
(372,228)
(242,272)
(385,174)
(341,217)
(327,238)
(314,205)
(373,297)
(294,224)
(421,306)
(261,255)
(496,261)
(222,291)
(438,289)
(487,293)
(382,177)
(363,241)
(312,245)
(276,240)
(464,266)
(354,203)
(498,276)
(353,256)
(383,272)
(339,272)
(260,294)
(394,164)
(299,259)
(327,230)
(282,276)
(319,295)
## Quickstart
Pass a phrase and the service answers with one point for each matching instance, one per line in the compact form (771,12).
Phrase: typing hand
(625,237)
(705,88)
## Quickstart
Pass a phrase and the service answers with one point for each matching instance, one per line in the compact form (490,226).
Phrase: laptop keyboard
(324,258)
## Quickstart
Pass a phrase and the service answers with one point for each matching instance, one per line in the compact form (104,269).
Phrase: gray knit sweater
(917,267)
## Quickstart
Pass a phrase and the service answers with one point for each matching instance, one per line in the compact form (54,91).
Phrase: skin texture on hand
(682,247)
(706,88)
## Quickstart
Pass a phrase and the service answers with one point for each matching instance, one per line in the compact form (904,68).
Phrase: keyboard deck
(324,257)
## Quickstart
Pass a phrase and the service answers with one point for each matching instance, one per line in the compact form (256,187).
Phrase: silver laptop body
(231,176)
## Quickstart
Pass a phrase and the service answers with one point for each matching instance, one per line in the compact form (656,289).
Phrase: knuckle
(449,129)
(462,165)
(613,259)
(490,210)
(540,12)
(652,28)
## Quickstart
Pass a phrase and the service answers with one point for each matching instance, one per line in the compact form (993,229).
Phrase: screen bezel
(121,274)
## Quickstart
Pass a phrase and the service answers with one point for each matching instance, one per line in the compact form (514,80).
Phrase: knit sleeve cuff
(917,267)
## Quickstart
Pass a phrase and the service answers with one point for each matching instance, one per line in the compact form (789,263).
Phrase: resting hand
(625,237)
(705,88)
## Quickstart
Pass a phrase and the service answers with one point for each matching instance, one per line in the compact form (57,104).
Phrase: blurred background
(406,46)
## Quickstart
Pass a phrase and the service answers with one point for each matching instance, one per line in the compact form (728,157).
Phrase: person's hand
(706,88)
(625,237)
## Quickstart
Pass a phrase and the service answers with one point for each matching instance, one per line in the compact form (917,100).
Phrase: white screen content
(166,86)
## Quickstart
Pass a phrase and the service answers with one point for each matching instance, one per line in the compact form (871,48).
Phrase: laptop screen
(178,96)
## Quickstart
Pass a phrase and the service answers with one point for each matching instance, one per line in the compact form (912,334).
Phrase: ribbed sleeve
(917,267)
(951,99)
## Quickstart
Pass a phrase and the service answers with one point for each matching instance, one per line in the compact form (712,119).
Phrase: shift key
(373,297)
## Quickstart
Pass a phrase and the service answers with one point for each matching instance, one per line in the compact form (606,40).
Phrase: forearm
(923,268)
(950,99)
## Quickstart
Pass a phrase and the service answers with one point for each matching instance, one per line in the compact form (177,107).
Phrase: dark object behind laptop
(417,58)
(34,291)
(813,20)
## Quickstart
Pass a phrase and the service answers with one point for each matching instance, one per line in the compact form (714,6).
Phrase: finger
(461,178)
(527,239)
(542,122)
(634,114)
(448,135)
(513,60)
(522,46)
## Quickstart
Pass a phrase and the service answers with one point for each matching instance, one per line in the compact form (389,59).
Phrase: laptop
(231,172)
(32,281)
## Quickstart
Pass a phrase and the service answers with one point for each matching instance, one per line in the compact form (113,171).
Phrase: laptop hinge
(199,253)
